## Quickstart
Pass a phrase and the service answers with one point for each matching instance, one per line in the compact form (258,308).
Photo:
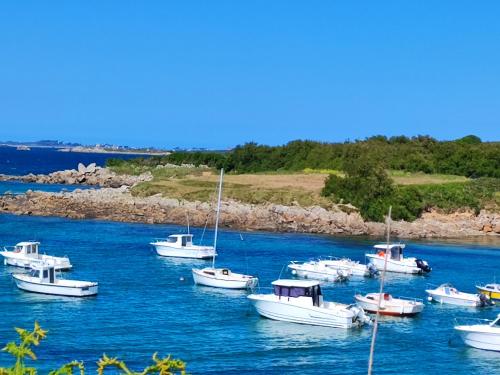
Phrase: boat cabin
(448,289)
(492,287)
(299,289)
(395,251)
(27,248)
(45,273)
(181,240)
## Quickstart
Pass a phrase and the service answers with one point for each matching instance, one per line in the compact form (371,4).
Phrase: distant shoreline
(97,150)
(90,150)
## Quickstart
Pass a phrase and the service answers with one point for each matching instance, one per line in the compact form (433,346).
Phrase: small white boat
(331,269)
(491,290)
(25,253)
(389,305)
(301,301)
(222,277)
(447,293)
(181,246)
(43,279)
(482,335)
(396,262)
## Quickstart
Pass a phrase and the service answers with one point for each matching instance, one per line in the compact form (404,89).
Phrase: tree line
(467,156)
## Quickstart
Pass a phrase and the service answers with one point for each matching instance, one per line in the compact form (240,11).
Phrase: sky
(216,74)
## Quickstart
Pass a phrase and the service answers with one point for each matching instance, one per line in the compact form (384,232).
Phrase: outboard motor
(342,276)
(485,300)
(372,270)
(360,317)
(422,264)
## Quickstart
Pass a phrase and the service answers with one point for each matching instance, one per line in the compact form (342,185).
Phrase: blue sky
(219,73)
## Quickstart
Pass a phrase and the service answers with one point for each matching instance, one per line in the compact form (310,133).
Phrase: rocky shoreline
(115,202)
(83,175)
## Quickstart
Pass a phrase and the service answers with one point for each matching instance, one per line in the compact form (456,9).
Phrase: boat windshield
(292,291)
(496,323)
(396,253)
(35,273)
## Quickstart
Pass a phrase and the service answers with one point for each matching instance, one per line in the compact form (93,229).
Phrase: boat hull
(323,274)
(450,300)
(491,294)
(60,264)
(167,251)
(226,283)
(394,266)
(54,289)
(409,309)
(302,315)
(479,340)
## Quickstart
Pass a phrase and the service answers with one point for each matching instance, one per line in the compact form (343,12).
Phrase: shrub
(20,351)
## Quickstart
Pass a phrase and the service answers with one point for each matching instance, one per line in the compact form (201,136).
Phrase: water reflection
(278,333)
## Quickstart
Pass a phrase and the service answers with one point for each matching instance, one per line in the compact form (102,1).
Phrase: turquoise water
(144,307)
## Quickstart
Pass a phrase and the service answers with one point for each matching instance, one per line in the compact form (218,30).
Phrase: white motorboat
(389,305)
(447,293)
(222,277)
(181,246)
(43,279)
(491,290)
(331,269)
(301,301)
(396,262)
(26,253)
(482,334)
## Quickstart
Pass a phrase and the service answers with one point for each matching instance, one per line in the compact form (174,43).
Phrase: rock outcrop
(85,175)
(118,204)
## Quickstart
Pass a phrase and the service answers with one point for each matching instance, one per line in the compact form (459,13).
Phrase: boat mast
(381,291)
(217,216)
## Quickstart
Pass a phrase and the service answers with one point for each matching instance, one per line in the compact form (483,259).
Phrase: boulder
(91,168)
(81,168)
(487,228)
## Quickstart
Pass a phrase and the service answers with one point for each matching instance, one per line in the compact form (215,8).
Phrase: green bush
(24,349)
(373,193)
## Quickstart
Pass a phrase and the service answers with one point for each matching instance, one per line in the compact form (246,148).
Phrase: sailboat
(221,277)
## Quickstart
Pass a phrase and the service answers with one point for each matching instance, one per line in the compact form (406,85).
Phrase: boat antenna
(218,215)
(382,280)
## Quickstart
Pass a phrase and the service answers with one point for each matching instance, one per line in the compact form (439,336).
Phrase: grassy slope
(281,188)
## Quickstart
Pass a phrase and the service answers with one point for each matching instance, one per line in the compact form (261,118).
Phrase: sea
(44,160)
(148,304)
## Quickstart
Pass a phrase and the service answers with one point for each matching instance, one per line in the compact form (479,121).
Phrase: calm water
(21,187)
(143,305)
(46,160)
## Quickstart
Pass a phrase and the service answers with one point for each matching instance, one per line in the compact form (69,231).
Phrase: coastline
(117,204)
(114,201)
(83,149)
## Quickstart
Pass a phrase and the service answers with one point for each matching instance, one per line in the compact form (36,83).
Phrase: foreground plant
(24,349)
